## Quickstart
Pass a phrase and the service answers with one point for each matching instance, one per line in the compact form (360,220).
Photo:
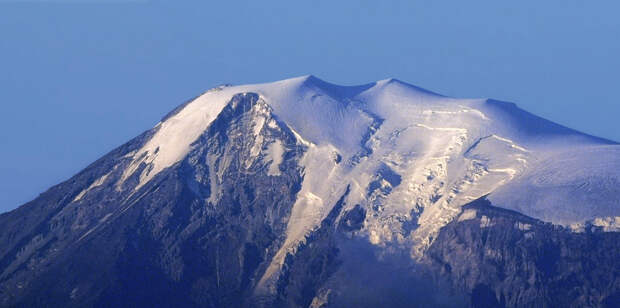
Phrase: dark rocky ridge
(517,261)
(165,244)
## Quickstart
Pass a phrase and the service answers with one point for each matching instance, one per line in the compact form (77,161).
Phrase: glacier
(445,152)
(305,193)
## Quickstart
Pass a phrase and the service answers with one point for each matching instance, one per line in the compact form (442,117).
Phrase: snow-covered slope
(409,155)
(300,193)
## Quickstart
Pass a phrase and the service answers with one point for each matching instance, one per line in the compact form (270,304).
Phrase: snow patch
(523,226)
(96,183)
(274,155)
(512,144)
(105,218)
(448,129)
(467,215)
(608,224)
(320,191)
(485,222)
(446,151)
(605,224)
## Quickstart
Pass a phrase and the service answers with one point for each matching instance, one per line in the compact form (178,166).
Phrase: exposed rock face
(193,236)
(250,213)
(505,259)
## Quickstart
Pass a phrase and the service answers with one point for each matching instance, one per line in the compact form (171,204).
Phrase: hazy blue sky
(78,78)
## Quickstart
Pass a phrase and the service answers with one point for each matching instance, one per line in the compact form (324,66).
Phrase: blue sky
(78,78)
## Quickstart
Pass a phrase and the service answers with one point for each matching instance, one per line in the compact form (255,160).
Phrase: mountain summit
(303,193)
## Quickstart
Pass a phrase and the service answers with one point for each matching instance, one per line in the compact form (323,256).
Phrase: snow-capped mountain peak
(444,151)
(257,195)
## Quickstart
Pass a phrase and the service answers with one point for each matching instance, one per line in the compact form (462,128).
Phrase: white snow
(96,183)
(320,190)
(301,102)
(566,185)
(274,154)
(608,224)
(468,214)
(485,222)
(446,151)
(522,226)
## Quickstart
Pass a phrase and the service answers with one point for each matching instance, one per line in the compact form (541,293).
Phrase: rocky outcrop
(199,234)
(505,259)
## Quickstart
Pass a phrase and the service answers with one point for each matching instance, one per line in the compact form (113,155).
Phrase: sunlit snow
(445,152)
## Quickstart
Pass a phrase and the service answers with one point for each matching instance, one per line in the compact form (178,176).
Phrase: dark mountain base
(516,261)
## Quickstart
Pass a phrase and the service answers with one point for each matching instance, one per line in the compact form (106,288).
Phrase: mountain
(302,193)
